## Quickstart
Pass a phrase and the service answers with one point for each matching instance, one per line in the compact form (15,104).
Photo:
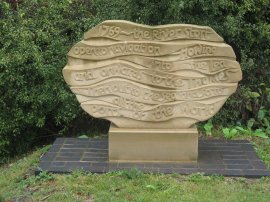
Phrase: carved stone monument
(153,83)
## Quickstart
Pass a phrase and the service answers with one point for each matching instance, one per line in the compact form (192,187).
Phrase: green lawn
(17,182)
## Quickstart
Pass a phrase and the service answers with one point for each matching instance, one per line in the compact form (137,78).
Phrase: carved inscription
(195,110)
(204,66)
(84,50)
(198,50)
(150,95)
(120,30)
(118,49)
(160,34)
(146,76)
(152,76)
(128,103)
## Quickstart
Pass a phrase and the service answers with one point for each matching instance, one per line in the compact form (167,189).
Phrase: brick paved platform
(228,158)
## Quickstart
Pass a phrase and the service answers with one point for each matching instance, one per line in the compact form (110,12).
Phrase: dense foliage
(37,34)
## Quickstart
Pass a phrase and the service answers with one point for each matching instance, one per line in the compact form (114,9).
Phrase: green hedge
(35,38)
(36,35)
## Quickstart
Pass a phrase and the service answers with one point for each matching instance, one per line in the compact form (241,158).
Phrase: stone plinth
(162,145)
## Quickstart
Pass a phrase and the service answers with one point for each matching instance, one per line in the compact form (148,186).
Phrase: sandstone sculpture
(152,77)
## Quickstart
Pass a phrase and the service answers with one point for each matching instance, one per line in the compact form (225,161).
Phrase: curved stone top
(122,30)
(139,76)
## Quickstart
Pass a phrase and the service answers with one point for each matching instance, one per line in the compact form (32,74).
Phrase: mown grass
(17,182)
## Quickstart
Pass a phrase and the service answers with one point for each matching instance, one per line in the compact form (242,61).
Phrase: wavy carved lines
(127,31)
(145,94)
(142,76)
(117,101)
(184,50)
(89,76)
(203,66)
(195,110)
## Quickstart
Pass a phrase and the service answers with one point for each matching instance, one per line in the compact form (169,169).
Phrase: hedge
(36,35)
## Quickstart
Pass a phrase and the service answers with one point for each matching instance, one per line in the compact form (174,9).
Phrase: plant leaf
(254,94)
(250,123)
(225,131)
(240,128)
(234,132)
(261,113)
(261,134)
(248,106)
(266,122)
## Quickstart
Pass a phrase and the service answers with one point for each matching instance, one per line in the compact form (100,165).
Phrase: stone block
(161,145)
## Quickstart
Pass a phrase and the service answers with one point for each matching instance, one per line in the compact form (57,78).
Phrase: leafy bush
(35,38)
(37,34)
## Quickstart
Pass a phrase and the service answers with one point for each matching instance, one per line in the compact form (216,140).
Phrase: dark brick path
(228,158)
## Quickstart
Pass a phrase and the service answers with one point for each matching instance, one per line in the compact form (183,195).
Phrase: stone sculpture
(152,78)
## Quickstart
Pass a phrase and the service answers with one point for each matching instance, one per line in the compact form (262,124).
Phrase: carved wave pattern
(138,76)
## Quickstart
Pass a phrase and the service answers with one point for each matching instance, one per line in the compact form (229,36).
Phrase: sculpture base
(160,145)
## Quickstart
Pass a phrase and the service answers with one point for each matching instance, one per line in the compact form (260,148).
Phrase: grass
(18,183)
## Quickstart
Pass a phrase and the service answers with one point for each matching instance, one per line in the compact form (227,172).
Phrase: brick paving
(229,158)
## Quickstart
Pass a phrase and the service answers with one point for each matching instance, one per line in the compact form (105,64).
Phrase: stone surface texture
(139,76)
(228,158)
(153,145)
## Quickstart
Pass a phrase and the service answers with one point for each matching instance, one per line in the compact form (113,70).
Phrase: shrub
(37,34)
(35,38)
